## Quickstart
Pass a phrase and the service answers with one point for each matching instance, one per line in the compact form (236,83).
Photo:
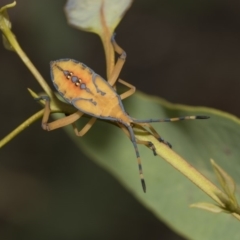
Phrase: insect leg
(146,122)
(146,143)
(133,139)
(47,110)
(170,119)
(155,133)
(62,122)
(129,92)
(119,64)
(85,129)
(57,123)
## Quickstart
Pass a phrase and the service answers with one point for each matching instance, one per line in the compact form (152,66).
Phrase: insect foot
(152,147)
(165,142)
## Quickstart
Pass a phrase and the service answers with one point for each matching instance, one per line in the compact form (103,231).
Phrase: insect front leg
(119,64)
(47,111)
(57,123)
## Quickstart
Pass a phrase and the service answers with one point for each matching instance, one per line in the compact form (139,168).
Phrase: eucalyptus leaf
(169,193)
(92,15)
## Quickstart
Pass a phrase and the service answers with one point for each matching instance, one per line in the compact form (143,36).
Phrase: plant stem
(11,38)
(188,170)
(21,127)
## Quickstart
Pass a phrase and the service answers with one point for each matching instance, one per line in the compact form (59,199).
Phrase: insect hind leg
(119,64)
(175,119)
(155,134)
(146,122)
(146,143)
(85,129)
(133,139)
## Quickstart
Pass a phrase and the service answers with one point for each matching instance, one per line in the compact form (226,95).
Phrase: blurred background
(184,51)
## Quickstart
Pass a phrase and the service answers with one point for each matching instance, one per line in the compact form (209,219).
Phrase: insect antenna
(133,139)
(170,119)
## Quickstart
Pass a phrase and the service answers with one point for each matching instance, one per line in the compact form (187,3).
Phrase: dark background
(184,51)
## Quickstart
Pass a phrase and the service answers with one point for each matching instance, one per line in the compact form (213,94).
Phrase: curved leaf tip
(5,24)
(93,15)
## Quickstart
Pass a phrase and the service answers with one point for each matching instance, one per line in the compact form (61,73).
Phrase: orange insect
(92,95)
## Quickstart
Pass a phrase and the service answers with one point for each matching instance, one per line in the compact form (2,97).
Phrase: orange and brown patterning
(87,91)
(90,94)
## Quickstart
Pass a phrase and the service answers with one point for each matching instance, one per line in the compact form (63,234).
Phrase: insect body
(87,91)
(91,94)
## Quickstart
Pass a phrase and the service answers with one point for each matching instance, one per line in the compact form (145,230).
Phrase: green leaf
(169,193)
(94,15)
